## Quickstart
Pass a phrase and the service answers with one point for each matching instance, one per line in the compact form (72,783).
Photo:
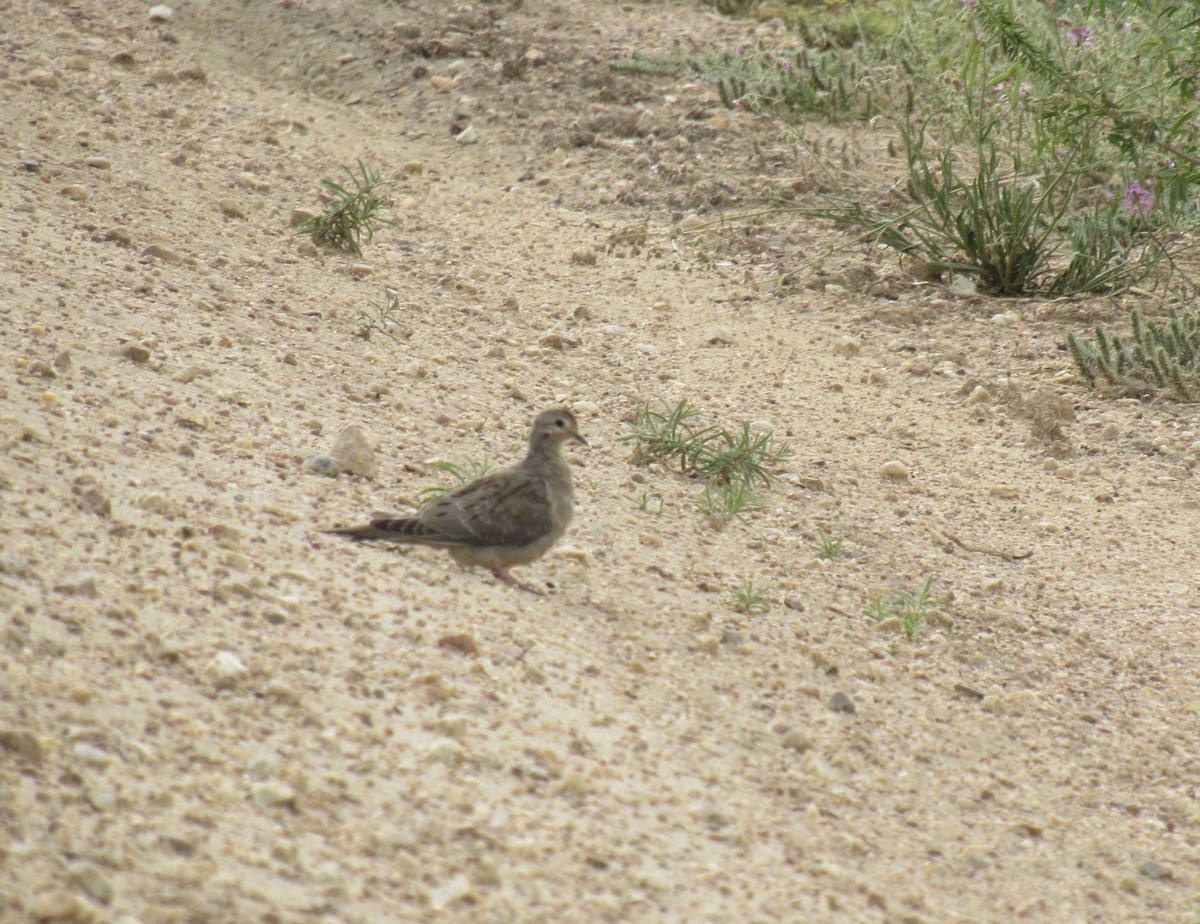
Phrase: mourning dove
(510,517)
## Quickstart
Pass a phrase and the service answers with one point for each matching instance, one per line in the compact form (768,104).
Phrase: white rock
(894,470)
(160,13)
(90,754)
(443,895)
(227,666)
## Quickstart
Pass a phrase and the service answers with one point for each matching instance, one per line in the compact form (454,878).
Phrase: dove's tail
(396,529)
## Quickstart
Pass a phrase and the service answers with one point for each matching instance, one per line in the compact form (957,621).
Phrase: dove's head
(554,427)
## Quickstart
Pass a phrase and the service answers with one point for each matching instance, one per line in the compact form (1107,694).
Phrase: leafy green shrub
(352,215)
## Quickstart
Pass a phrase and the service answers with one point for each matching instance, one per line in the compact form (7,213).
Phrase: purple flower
(1024,89)
(654,170)
(784,64)
(737,49)
(1060,152)
(737,103)
(1080,35)
(1138,199)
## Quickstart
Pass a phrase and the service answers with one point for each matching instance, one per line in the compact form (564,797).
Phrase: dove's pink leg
(504,575)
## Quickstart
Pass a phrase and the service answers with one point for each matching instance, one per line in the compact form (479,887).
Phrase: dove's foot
(506,576)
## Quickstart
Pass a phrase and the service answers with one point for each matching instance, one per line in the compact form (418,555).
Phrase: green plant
(460,474)
(910,608)
(381,318)
(351,215)
(1162,355)
(672,434)
(1061,158)
(829,547)
(748,599)
(648,503)
(721,503)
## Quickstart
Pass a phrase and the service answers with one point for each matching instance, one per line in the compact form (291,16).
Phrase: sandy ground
(209,711)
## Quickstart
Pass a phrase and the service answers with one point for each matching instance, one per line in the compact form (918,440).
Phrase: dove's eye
(559,423)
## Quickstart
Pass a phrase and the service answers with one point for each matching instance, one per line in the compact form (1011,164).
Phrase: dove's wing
(508,508)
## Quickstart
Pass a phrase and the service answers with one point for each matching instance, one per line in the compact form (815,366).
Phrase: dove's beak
(579,439)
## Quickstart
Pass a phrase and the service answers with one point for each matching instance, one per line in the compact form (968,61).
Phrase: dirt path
(211,712)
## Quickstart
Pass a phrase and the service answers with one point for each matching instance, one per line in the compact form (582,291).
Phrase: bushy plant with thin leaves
(721,503)
(750,599)
(732,463)
(381,318)
(460,474)
(675,434)
(352,215)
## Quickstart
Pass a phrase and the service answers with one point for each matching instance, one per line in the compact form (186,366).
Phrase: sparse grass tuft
(749,599)
(460,474)
(732,464)
(711,453)
(352,215)
(911,608)
(382,318)
(724,502)
(648,503)
(829,547)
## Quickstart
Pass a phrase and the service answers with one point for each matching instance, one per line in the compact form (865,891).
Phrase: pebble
(21,742)
(230,208)
(76,192)
(274,794)
(796,740)
(160,13)
(247,180)
(165,254)
(42,368)
(158,503)
(323,465)
(353,454)
(962,285)
(299,216)
(457,888)
(1003,491)
(134,351)
(119,235)
(586,409)
(81,585)
(445,752)
(94,882)
(841,702)
(895,470)
(227,666)
(102,800)
(90,754)
(980,395)
(469,135)
(62,362)
(42,78)
(1152,869)
(96,501)
(98,163)
(718,334)
(846,346)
